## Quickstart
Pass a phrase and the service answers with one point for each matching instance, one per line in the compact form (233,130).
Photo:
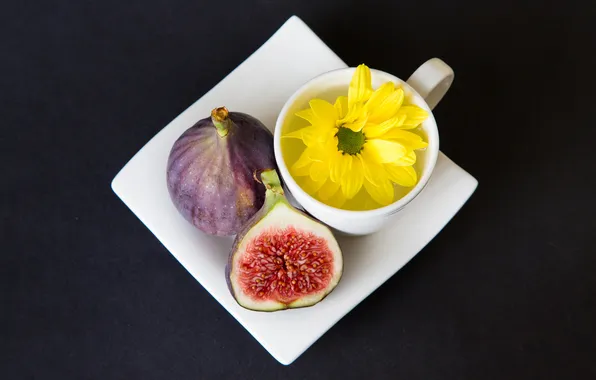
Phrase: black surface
(507,290)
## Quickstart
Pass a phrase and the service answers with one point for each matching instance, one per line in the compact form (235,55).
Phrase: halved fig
(282,258)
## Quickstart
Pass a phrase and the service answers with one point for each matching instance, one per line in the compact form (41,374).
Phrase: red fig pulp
(210,171)
(282,258)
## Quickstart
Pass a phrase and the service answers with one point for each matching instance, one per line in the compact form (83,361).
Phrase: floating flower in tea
(360,141)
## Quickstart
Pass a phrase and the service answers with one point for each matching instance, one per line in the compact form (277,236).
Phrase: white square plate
(260,86)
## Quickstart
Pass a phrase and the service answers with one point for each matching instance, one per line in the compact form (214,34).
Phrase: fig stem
(275,192)
(219,118)
(271,181)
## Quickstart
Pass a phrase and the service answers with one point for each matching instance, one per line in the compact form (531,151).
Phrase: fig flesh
(282,258)
(210,171)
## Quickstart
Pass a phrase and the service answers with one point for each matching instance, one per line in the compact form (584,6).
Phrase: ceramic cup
(425,88)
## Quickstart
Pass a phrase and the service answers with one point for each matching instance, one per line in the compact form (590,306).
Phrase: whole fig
(210,171)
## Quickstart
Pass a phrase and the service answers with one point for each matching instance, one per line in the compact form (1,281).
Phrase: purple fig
(210,171)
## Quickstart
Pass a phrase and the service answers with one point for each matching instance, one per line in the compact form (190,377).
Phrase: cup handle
(432,80)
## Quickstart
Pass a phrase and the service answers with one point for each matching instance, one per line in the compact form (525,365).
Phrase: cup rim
(433,150)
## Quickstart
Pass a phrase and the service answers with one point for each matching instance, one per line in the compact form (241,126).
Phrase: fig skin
(210,171)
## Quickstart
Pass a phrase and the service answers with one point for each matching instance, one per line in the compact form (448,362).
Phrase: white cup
(425,88)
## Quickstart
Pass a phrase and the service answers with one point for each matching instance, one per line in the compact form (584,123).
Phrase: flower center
(349,142)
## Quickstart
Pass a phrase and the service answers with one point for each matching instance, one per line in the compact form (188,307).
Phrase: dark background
(507,290)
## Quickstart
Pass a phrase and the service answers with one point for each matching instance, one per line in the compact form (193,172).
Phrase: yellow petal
(308,185)
(414,116)
(351,182)
(302,161)
(334,162)
(306,115)
(328,190)
(302,166)
(407,139)
(384,151)
(394,122)
(408,159)
(360,86)
(355,111)
(386,107)
(295,134)
(319,171)
(373,171)
(356,126)
(379,95)
(300,172)
(340,166)
(371,130)
(381,193)
(337,200)
(318,153)
(329,150)
(402,175)
(310,135)
(341,106)
(324,113)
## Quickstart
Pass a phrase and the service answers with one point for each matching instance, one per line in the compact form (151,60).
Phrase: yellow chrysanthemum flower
(360,141)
